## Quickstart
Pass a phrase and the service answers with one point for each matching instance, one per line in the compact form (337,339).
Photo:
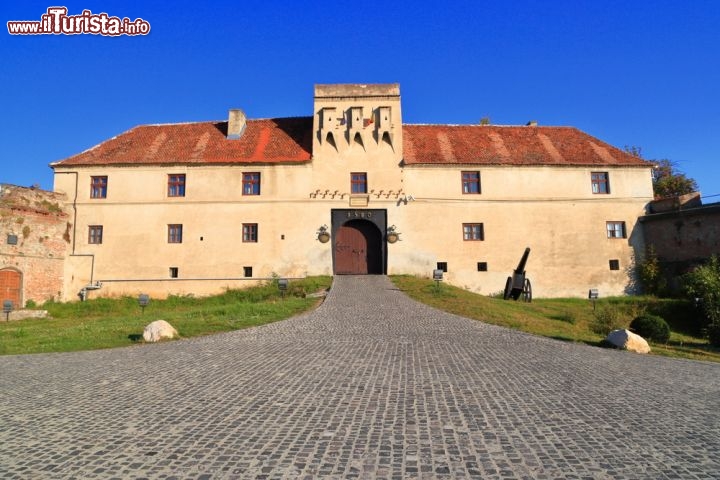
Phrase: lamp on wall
(392,234)
(322,234)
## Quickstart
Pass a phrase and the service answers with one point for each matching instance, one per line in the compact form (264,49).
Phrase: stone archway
(358,248)
(11,286)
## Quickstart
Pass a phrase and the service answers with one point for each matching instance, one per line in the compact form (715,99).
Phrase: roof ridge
(167,124)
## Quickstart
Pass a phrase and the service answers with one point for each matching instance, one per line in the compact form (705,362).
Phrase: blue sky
(628,72)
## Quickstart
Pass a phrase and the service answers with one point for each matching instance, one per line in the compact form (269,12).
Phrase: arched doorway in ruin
(11,286)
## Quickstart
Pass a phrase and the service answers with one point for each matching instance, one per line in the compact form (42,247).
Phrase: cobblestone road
(370,385)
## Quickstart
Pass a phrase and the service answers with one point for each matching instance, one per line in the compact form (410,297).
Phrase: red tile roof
(289,140)
(279,140)
(505,145)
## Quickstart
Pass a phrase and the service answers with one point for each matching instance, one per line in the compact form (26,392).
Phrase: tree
(668,181)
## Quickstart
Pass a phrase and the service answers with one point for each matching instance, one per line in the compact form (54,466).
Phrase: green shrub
(651,327)
(703,285)
(712,332)
(682,315)
(650,274)
(606,319)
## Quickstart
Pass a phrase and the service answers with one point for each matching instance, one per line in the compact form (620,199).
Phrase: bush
(650,274)
(703,285)
(681,315)
(713,334)
(651,327)
(607,318)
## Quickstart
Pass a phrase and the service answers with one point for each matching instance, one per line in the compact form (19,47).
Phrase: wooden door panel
(350,251)
(10,287)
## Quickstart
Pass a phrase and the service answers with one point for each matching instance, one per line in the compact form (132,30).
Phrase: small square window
(615,229)
(442,266)
(358,182)
(95,234)
(174,272)
(175,232)
(473,232)
(251,183)
(482,267)
(247,272)
(614,264)
(176,185)
(250,232)
(470,182)
(12,239)
(98,187)
(600,182)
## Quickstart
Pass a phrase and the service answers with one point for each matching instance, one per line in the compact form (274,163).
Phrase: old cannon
(518,284)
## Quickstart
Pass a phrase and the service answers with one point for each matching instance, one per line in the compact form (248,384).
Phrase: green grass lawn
(567,319)
(109,323)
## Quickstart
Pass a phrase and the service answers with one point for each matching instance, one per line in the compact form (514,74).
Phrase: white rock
(158,330)
(627,340)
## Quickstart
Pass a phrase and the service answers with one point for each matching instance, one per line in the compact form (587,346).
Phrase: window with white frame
(615,229)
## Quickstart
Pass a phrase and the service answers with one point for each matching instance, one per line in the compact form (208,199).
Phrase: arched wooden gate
(358,248)
(11,287)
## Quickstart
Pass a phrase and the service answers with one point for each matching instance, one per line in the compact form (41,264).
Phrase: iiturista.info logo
(56,21)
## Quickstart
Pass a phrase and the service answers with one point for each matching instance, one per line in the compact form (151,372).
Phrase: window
(358,182)
(176,185)
(471,182)
(473,231)
(614,264)
(98,187)
(174,272)
(482,267)
(95,234)
(247,271)
(615,229)
(600,182)
(250,232)
(251,183)
(442,266)
(175,233)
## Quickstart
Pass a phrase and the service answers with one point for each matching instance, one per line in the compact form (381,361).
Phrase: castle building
(195,208)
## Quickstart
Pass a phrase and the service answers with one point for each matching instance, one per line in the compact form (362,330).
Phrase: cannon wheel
(508,288)
(527,291)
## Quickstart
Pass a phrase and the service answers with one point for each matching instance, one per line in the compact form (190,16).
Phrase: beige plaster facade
(534,191)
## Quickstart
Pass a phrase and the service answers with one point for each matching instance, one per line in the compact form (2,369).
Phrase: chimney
(532,123)
(236,124)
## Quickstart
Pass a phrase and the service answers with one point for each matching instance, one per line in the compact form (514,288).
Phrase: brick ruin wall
(34,240)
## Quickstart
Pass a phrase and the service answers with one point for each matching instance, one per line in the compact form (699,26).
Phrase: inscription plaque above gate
(367,214)
(359,200)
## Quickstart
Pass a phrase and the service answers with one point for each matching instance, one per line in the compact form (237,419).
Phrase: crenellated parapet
(357,119)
